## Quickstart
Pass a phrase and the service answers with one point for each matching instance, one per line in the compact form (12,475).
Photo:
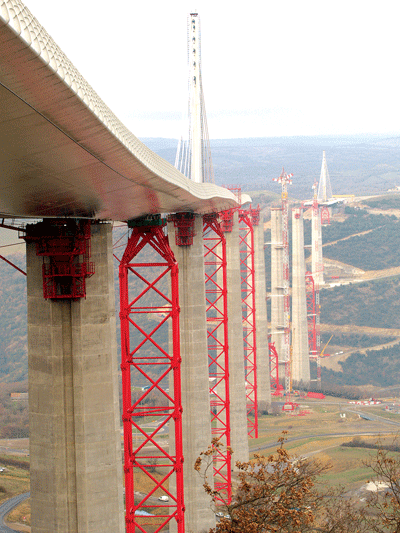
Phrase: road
(8,506)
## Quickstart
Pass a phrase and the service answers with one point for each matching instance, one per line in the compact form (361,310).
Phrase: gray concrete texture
(263,372)
(317,261)
(238,410)
(277,310)
(196,425)
(300,364)
(75,442)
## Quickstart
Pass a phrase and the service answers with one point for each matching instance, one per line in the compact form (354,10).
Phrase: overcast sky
(270,68)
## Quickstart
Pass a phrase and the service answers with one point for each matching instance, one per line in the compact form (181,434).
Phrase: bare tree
(272,494)
(384,503)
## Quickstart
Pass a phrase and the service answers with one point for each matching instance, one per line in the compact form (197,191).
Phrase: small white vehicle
(163,499)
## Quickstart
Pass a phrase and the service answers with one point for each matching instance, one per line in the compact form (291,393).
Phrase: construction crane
(323,349)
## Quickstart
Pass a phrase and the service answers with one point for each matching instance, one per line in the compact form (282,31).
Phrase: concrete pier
(196,426)
(75,441)
(239,440)
(300,367)
(317,262)
(277,310)
(263,372)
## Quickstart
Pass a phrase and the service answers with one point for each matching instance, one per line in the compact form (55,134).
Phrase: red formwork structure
(246,249)
(313,315)
(65,245)
(149,308)
(218,349)
(325,216)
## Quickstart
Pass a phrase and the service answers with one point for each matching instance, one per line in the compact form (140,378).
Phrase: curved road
(7,507)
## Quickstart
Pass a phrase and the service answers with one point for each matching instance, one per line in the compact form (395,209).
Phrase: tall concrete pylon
(263,372)
(193,157)
(277,311)
(317,262)
(196,422)
(238,410)
(300,364)
(324,187)
(75,441)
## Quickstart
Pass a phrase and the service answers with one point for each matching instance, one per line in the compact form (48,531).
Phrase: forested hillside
(380,368)
(366,164)
(13,338)
(374,304)
(372,243)
(365,240)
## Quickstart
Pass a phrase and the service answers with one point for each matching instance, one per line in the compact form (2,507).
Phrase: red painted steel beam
(12,264)
(246,248)
(149,306)
(218,349)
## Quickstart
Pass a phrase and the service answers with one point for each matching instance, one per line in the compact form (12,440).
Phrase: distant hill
(358,165)
(13,321)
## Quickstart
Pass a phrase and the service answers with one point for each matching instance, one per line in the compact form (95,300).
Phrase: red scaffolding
(313,315)
(218,356)
(276,387)
(325,216)
(146,316)
(65,247)
(246,249)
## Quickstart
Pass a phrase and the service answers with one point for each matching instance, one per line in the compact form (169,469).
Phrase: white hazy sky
(270,68)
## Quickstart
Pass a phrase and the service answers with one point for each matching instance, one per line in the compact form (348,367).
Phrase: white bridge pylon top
(324,188)
(62,150)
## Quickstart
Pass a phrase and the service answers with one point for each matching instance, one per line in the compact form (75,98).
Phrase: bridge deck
(63,152)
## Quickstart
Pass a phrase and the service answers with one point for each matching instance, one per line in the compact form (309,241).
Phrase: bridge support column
(75,441)
(263,371)
(277,311)
(196,425)
(238,409)
(300,366)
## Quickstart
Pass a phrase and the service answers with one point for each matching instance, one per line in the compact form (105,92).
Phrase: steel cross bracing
(246,249)
(149,308)
(317,332)
(218,349)
(285,179)
(317,275)
(313,315)
(276,387)
(325,216)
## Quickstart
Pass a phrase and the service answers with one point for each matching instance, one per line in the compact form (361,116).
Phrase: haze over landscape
(283,83)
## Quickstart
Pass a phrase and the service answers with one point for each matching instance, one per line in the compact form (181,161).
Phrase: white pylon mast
(324,188)
(195,112)
(193,157)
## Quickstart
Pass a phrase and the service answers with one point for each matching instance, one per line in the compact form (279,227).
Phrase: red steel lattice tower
(317,275)
(276,387)
(218,349)
(325,216)
(145,318)
(246,248)
(285,179)
(313,314)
